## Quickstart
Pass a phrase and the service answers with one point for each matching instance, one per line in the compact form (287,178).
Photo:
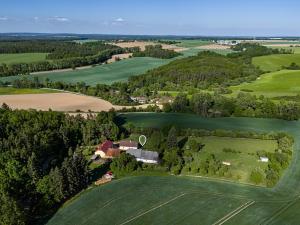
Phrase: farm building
(144,156)
(107,150)
(127,145)
(139,99)
(109,153)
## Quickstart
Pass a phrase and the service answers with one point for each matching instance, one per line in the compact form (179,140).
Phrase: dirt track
(64,102)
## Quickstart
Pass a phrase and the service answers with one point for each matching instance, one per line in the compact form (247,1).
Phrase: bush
(256,176)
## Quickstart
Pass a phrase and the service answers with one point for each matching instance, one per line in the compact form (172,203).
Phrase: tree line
(156,51)
(244,105)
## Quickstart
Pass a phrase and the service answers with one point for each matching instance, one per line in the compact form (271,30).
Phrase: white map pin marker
(142,140)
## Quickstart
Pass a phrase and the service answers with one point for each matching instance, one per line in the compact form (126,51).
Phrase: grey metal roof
(143,154)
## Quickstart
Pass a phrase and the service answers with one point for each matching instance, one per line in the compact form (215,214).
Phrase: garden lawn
(281,83)
(244,160)
(22,58)
(275,62)
(18,91)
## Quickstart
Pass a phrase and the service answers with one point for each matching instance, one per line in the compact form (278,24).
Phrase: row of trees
(26,68)
(57,49)
(244,105)
(116,93)
(41,164)
(156,51)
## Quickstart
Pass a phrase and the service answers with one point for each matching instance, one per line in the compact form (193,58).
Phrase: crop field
(18,91)
(244,160)
(184,199)
(281,83)
(22,58)
(105,74)
(272,63)
(192,43)
(66,102)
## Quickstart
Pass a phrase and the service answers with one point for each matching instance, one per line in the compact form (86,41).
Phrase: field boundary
(233,213)
(154,208)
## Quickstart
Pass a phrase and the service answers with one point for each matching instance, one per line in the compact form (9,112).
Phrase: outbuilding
(264,159)
(144,156)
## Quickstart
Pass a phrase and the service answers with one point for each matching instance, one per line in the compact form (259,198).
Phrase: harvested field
(56,102)
(64,102)
(214,46)
(143,44)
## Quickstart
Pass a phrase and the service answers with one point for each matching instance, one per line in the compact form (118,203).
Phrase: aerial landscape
(149,112)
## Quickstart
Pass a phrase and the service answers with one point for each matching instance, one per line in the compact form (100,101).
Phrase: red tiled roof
(105,146)
(113,152)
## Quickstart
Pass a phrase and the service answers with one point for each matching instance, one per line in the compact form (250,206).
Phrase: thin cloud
(119,20)
(36,18)
(59,19)
(3,18)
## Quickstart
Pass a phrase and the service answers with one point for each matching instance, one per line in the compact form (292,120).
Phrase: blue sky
(174,17)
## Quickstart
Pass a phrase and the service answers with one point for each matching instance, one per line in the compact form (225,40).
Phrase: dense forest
(61,55)
(249,50)
(199,71)
(41,163)
(156,51)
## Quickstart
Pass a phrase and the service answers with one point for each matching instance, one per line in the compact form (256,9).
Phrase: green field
(189,200)
(192,43)
(275,62)
(105,74)
(281,83)
(243,162)
(22,58)
(296,50)
(18,91)
(195,51)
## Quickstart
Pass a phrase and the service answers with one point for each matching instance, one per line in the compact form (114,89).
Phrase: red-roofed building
(107,150)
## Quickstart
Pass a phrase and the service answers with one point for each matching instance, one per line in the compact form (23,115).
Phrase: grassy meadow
(272,63)
(22,58)
(281,83)
(192,43)
(184,199)
(19,91)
